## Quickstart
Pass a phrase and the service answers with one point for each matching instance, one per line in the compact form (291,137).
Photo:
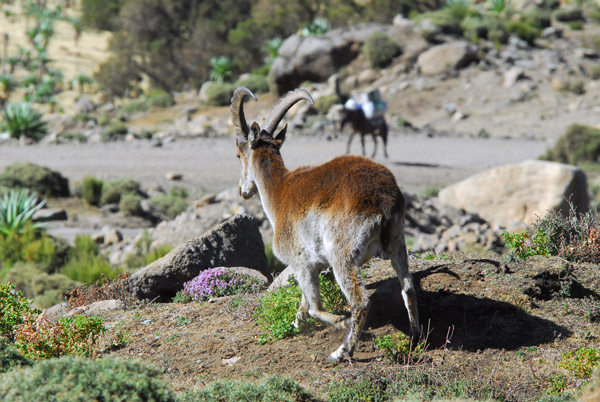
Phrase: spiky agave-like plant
(21,120)
(17,207)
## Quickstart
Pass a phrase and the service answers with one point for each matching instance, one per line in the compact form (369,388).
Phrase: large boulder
(235,243)
(519,194)
(454,55)
(315,58)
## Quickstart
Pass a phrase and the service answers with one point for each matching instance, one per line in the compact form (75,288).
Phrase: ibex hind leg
(399,259)
(358,297)
(311,305)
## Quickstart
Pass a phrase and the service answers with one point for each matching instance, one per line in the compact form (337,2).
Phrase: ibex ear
(254,135)
(280,136)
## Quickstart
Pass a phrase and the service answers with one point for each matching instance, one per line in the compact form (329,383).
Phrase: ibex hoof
(333,359)
(342,322)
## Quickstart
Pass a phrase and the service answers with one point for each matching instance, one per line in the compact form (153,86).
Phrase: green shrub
(576,86)
(359,390)
(379,50)
(10,357)
(40,338)
(131,205)
(171,205)
(72,379)
(21,120)
(85,264)
(16,211)
(475,27)
(595,72)
(577,145)
(222,69)
(523,30)
(91,190)
(31,246)
(576,25)
(568,14)
(325,102)
(219,94)
(257,83)
(581,362)
(520,248)
(397,348)
(112,191)
(100,15)
(40,179)
(135,106)
(277,310)
(157,253)
(114,130)
(159,98)
(273,389)
(14,308)
(538,18)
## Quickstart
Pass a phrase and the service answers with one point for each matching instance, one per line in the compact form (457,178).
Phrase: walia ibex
(341,213)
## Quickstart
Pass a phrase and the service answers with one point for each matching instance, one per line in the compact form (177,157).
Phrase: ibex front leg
(351,284)
(311,305)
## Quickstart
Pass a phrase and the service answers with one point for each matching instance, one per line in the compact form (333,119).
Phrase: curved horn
(237,110)
(283,106)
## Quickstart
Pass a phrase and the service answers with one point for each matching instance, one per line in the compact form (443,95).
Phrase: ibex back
(341,213)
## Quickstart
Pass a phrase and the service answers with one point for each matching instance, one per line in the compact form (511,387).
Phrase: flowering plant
(217,282)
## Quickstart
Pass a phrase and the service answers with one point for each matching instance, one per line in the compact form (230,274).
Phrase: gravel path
(209,164)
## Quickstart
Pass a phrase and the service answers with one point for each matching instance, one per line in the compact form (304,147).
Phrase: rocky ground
(500,327)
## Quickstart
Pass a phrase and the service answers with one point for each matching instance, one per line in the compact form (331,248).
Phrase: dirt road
(209,164)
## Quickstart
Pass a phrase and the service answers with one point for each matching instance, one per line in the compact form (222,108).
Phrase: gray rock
(281,280)
(96,308)
(520,192)
(50,214)
(236,242)
(85,105)
(512,75)
(454,55)
(315,58)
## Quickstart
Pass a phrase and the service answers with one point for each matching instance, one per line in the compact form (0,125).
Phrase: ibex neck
(270,172)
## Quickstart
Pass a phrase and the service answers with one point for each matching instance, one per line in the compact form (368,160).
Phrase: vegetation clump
(75,379)
(578,144)
(42,180)
(21,120)
(218,282)
(379,49)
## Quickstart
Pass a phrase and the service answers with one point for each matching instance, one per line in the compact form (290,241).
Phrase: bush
(256,83)
(579,144)
(397,348)
(219,94)
(91,190)
(42,180)
(76,379)
(21,120)
(538,18)
(14,308)
(171,205)
(569,14)
(325,102)
(40,338)
(16,211)
(85,263)
(379,49)
(114,130)
(100,14)
(273,389)
(218,282)
(523,30)
(105,288)
(159,98)
(31,246)
(10,357)
(112,191)
(277,310)
(581,362)
(130,205)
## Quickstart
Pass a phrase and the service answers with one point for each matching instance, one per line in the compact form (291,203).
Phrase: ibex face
(251,138)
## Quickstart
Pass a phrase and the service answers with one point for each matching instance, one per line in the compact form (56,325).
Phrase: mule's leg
(374,145)
(311,305)
(399,259)
(362,142)
(348,277)
(350,141)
